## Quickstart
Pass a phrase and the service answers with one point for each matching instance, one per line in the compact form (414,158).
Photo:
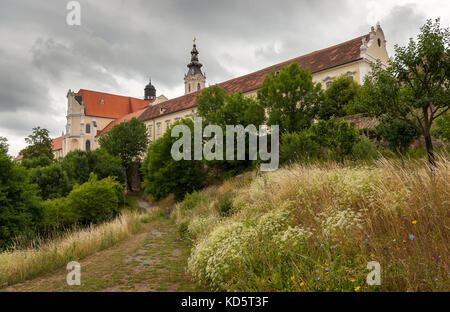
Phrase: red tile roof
(317,61)
(57,144)
(128,117)
(100,104)
(18,158)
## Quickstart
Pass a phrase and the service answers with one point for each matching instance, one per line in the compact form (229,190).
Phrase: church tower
(194,80)
(149,91)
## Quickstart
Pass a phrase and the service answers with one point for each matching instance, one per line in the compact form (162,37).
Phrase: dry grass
(20,265)
(316,227)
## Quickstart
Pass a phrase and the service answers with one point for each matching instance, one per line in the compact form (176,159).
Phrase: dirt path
(152,260)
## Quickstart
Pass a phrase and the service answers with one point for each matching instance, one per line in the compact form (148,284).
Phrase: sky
(120,44)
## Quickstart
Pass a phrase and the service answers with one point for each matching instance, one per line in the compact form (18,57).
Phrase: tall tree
(128,141)
(291,98)
(415,86)
(338,98)
(3,145)
(39,144)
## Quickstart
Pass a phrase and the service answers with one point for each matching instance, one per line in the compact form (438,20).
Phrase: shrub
(96,201)
(224,206)
(190,201)
(299,146)
(58,214)
(365,149)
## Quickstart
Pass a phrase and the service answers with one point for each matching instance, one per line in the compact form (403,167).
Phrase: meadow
(316,227)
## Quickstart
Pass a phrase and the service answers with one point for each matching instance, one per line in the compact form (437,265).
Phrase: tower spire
(194,80)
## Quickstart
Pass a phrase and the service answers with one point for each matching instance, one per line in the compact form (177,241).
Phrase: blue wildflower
(411,237)
(318,278)
(327,269)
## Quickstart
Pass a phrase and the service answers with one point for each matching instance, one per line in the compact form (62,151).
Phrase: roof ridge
(294,58)
(124,96)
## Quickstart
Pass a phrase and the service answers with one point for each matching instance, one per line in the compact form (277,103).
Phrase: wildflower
(367,239)
(372,255)
(414,222)
(352,280)
(357,288)
(410,187)
(292,277)
(413,172)
(411,237)
(318,278)
(404,241)
(317,271)
(327,269)
(302,284)
(334,246)
(321,245)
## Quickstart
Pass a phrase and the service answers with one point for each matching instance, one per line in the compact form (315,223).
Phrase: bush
(224,206)
(365,149)
(190,201)
(96,201)
(52,181)
(58,214)
(298,147)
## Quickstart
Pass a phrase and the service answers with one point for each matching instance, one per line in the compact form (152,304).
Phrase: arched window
(88,128)
(379,42)
(88,145)
(198,86)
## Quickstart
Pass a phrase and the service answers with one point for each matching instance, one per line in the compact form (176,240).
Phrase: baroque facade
(90,114)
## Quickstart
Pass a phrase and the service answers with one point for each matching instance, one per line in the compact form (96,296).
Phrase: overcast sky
(121,43)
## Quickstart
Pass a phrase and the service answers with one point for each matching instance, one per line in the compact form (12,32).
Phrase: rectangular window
(158,129)
(149,128)
(167,124)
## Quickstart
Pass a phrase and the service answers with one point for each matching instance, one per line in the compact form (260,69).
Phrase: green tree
(39,144)
(79,164)
(415,86)
(128,141)
(442,127)
(216,107)
(36,162)
(291,98)
(20,206)
(51,180)
(398,134)
(4,145)
(340,137)
(338,98)
(163,175)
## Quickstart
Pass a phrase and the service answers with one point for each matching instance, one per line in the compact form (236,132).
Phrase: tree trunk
(429,145)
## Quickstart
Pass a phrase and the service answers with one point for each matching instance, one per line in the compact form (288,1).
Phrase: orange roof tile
(18,158)
(317,61)
(128,117)
(100,104)
(57,144)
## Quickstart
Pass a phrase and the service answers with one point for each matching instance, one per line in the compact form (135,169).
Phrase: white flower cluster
(292,237)
(345,220)
(200,225)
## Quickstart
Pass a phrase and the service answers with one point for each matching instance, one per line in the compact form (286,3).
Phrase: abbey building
(91,114)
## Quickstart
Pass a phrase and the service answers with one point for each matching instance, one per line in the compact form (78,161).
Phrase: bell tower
(194,80)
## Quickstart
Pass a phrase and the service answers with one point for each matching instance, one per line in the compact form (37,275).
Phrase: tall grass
(22,264)
(315,228)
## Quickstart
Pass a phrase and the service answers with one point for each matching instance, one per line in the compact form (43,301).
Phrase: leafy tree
(163,175)
(39,144)
(216,107)
(415,86)
(364,149)
(338,97)
(58,214)
(20,206)
(128,141)
(79,164)
(35,162)
(291,98)
(398,134)
(52,181)
(340,137)
(4,145)
(442,128)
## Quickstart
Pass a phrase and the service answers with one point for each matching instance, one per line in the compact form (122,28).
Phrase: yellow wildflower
(357,288)
(414,222)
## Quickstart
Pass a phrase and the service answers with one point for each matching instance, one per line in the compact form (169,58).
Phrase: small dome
(150,91)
